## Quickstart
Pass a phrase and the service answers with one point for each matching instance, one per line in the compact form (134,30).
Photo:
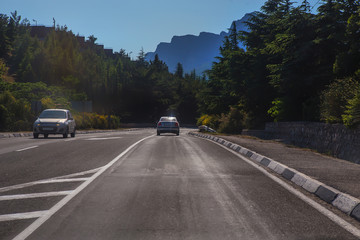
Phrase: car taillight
(176,124)
(159,124)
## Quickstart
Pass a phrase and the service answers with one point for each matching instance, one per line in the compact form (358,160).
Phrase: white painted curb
(344,202)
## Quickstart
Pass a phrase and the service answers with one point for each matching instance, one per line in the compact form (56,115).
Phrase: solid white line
(52,180)
(69,140)
(102,138)
(19,216)
(24,185)
(24,149)
(34,195)
(36,224)
(332,216)
(79,174)
(62,180)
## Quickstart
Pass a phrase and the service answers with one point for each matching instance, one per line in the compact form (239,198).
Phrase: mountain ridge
(192,51)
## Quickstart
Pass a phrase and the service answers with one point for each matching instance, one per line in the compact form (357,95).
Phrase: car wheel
(65,135)
(73,134)
(177,133)
(158,133)
(46,135)
(36,135)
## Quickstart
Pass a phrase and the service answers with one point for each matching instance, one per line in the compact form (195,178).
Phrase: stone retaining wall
(334,139)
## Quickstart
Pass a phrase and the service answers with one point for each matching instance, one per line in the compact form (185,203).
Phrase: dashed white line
(34,195)
(24,149)
(19,216)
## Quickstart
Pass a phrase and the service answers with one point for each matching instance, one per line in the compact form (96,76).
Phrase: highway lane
(169,187)
(29,166)
(26,159)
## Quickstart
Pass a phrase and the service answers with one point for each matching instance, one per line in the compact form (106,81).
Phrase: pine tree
(179,70)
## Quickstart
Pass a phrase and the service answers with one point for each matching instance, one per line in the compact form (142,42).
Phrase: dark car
(55,121)
(168,125)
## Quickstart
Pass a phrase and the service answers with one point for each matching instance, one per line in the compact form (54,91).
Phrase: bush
(15,115)
(233,122)
(211,121)
(277,110)
(335,98)
(351,118)
(96,121)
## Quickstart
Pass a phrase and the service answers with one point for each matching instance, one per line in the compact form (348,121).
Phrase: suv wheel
(36,135)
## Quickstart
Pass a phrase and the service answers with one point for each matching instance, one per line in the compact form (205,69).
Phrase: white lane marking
(69,140)
(24,185)
(19,216)
(79,173)
(332,216)
(34,195)
(63,180)
(24,149)
(102,138)
(40,221)
(66,178)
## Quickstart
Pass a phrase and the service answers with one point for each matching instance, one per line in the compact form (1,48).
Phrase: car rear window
(53,114)
(168,119)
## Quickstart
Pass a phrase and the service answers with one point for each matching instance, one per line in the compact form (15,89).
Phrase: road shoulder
(333,180)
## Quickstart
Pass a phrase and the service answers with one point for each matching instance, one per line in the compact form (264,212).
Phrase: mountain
(194,52)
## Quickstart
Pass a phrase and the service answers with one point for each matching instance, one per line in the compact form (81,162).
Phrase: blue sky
(134,24)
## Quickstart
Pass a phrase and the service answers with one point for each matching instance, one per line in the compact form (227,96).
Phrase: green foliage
(286,73)
(96,121)
(351,118)
(3,69)
(335,98)
(288,70)
(62,67)
(15,114)
(277,110)
(233,122)
(211,121)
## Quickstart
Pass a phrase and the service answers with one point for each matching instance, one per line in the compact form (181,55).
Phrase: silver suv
(54,121)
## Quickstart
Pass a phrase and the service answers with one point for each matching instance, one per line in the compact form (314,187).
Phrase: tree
(335,98)
(141,58)
(4,39)
(179,70)
(92,39)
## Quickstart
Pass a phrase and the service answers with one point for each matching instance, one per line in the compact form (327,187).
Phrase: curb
(342,201)
(9,135)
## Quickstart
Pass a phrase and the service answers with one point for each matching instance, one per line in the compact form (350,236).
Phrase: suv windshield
(53,114)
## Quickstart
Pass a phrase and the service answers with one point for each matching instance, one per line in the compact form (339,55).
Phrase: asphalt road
(135,185)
